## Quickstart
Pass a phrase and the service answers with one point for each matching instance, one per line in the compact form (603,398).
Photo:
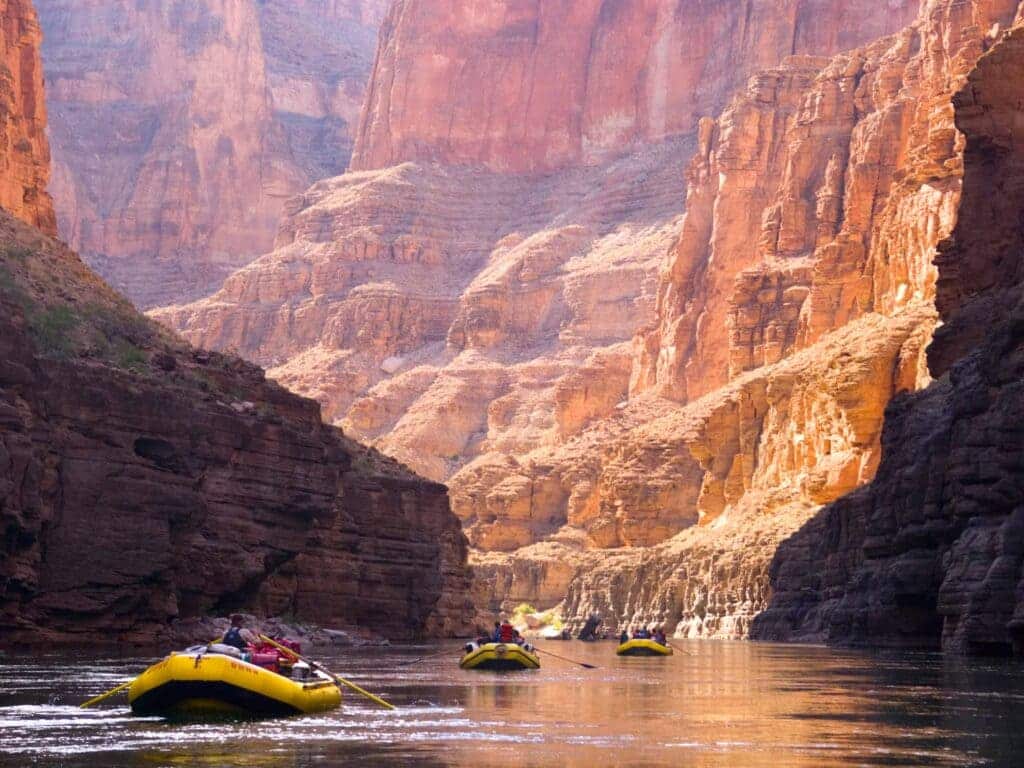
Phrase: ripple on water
(727,704)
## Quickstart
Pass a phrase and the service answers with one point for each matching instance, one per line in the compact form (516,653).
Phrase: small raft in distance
(502,657)
(199,684)
(639,647)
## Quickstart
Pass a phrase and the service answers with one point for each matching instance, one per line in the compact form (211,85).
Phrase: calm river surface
(717,704)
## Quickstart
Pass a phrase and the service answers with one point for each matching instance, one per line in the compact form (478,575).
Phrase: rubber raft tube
(197,685)
(499,656)
(639,647)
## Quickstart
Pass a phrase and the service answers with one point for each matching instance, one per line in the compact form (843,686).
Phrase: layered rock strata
(848,211)
(179,130)
(143,482)
(634,431)
(451,313)
(932,552)
(24,151)
(447,312)
(627,73)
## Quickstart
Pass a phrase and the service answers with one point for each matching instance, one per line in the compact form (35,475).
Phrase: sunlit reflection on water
(713,704)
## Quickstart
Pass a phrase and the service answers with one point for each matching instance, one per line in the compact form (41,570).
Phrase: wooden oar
(676,647)
(571,661)
(107,695)
(338,681)
(424,658)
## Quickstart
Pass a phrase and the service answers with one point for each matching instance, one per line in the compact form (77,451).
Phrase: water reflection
(712,704)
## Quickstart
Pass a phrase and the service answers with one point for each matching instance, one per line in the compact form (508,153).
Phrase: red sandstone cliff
(932,551)
(179,129)
(631,433)
(24,153)
(538,86)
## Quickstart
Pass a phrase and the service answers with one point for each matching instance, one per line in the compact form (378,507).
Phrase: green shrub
(129,356)
(17,252)
(52,330)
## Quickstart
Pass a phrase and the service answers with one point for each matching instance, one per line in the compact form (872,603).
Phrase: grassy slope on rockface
(72,315)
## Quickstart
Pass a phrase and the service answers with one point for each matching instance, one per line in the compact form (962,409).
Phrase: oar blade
(563,658)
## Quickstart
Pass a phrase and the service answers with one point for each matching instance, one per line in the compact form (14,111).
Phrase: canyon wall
(932,552)
(179,129)
(469,81)
(24,152)
(142,481)
(643,360)
(846,206)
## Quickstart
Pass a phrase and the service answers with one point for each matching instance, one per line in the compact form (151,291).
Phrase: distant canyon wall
(24,150)
(471,81)
(179,129)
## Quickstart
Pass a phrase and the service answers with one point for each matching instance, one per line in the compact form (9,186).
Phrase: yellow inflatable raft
(499,656)
(639,647)
(196,685)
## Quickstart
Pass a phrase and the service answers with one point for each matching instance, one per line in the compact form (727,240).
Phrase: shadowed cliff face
(179,129)
(632,408)
(142,481)
(24,153)
(933,550)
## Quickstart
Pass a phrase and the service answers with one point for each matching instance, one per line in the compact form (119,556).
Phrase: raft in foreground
(499,656)
(197,685)
(638,647)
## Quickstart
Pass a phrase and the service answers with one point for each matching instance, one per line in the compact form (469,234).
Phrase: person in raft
(504,632)
(237,634)
(642,634)
(659,636)
(624,637)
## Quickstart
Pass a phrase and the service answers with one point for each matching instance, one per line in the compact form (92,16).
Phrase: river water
(740,705)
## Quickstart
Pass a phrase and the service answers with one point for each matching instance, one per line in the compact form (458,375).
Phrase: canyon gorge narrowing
(486,295)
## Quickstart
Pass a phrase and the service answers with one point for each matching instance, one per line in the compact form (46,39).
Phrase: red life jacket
(506,633)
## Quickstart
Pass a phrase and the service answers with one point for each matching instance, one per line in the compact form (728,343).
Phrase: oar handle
(339,681)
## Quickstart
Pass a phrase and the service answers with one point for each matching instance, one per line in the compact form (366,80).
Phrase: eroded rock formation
(24,152)
(849,208)
(933,550)
(179,129)
(634,431)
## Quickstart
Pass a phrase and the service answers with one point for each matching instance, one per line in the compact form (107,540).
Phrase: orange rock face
(24,152)
(635,432)
(521,86)
(179,131)
(930,553)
